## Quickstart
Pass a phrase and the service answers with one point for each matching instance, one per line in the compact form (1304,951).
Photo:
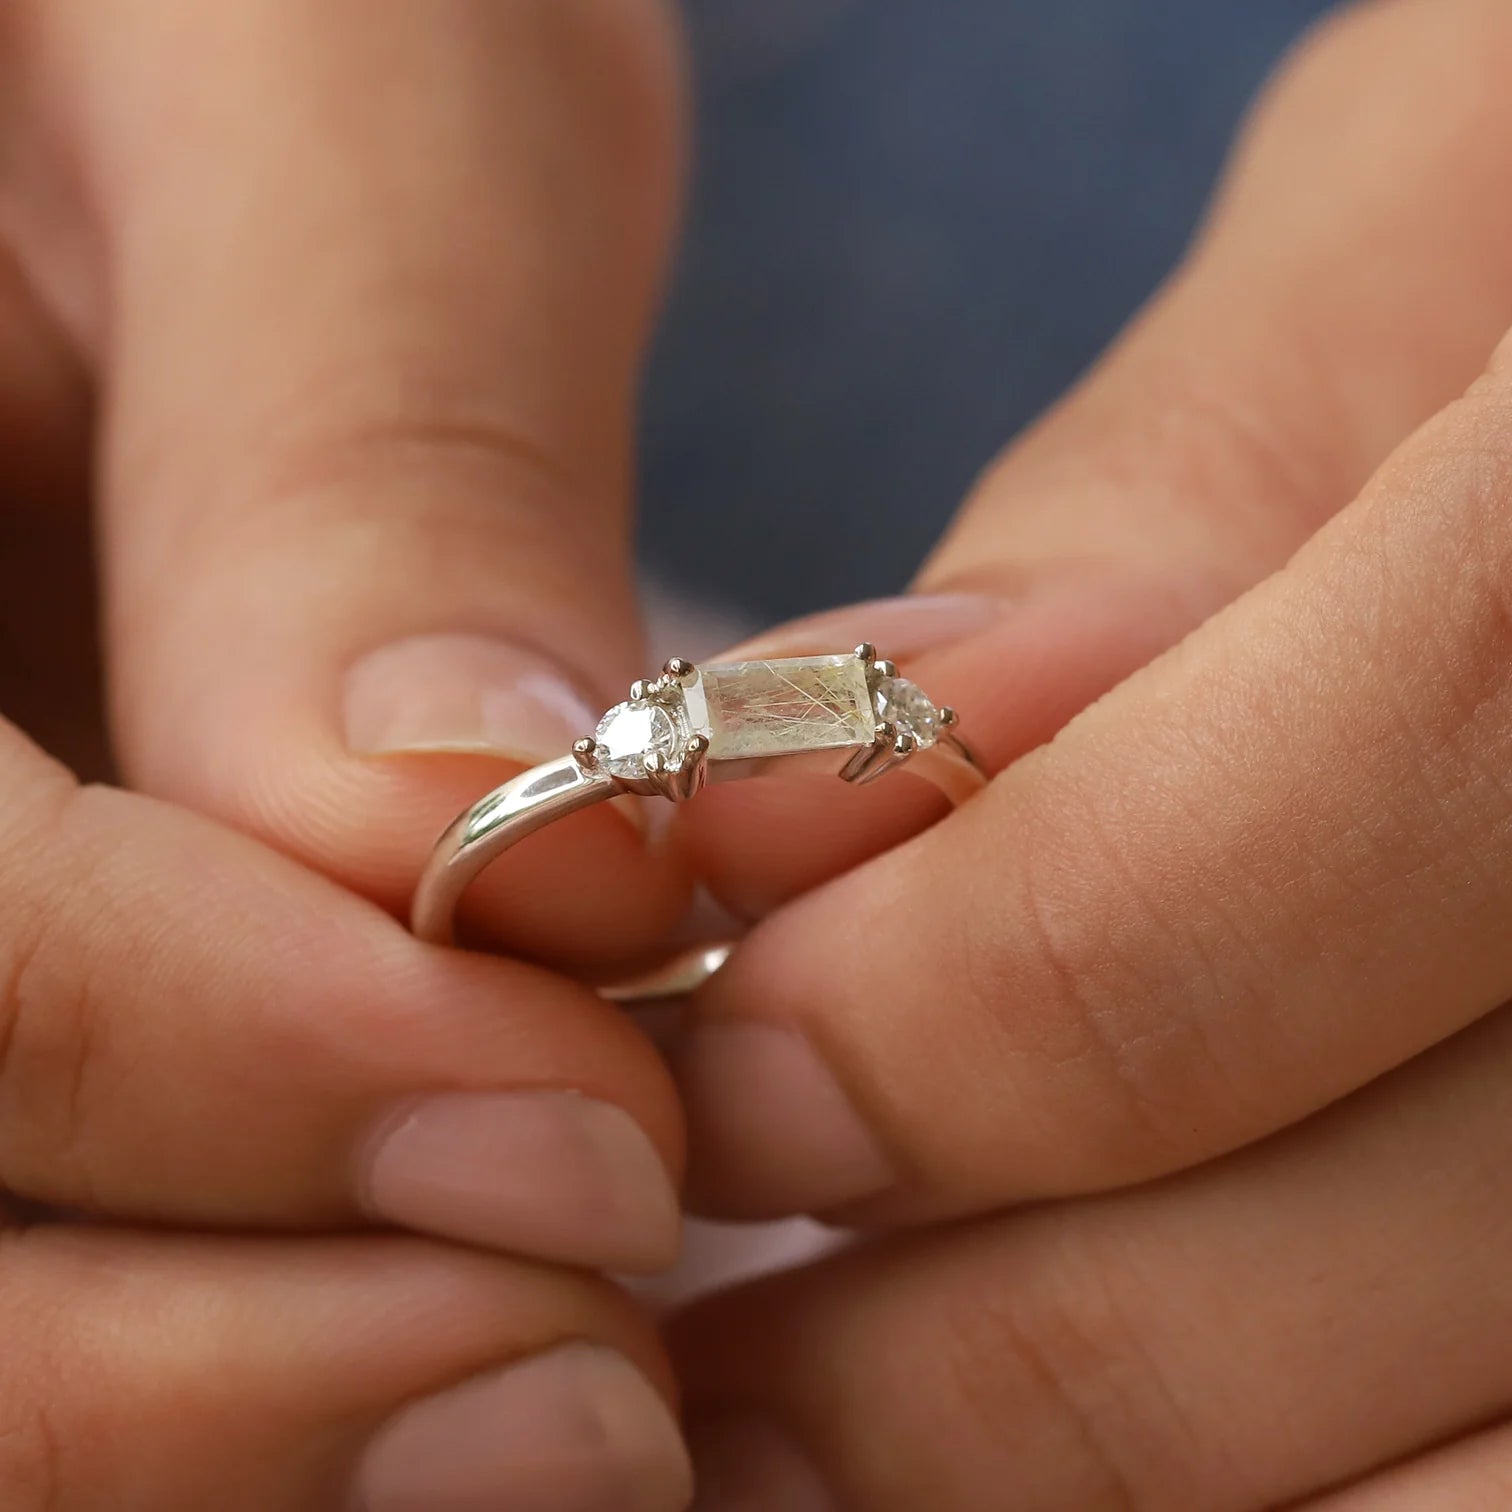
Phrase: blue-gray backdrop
(913,222)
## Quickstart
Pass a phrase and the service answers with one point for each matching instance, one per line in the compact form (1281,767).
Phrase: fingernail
(550,1174)
(746,1464)
(898,627)
(578,1429)
(771,1125)
(463,693)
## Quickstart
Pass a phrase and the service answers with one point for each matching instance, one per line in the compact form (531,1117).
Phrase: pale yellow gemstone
(753,710)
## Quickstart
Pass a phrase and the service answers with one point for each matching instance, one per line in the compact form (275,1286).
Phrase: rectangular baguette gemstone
(752,710)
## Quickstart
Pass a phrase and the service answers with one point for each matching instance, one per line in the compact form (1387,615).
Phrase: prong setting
(585,753)
(871,761)
(667,689)
(691,771)
(907,722)
(656,745)
(674,762)
(677,780)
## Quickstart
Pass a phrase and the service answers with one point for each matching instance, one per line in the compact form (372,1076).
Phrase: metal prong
(904,746)
(868,762)
(867,652)
(686,780)
(585,752)
(679,668)
(886,668)
(947,716)
(639,689)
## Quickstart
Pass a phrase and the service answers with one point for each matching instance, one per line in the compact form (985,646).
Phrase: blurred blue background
(913,223)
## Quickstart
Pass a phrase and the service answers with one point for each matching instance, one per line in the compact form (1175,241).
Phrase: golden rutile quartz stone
(758,709)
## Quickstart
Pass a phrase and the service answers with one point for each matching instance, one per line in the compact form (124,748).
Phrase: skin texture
(1267,870)
(358,421)
(266,265)
(348,302)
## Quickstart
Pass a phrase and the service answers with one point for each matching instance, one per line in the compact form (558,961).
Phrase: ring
(694,725)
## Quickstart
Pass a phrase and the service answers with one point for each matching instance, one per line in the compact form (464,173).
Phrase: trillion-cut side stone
(906,707)
(630,732)
(753,710)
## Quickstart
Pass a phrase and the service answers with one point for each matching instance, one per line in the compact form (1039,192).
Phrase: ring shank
(949,766)
(546,793)
(501,819)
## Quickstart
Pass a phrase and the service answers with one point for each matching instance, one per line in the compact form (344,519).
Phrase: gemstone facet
(630,732)
(758,709)
(907,708)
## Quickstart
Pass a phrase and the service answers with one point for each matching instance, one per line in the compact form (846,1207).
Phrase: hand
(1259,892)
(360,289)
(198,1034)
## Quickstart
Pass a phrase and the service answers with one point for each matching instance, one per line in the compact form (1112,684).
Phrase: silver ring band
(696,725)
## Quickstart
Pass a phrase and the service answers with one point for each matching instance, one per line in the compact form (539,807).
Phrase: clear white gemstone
(630,732)
(905,705)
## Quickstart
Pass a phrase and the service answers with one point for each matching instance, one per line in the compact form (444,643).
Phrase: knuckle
(31,1446)
(359,432)
(386,462)
(31,1475)
(360,464)
(48,1003)
(1203,436)
(1480,528)
(1194,437)
(1439,542)
(1214,437)
(29,911)
(1121,977)
(1065,1335)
